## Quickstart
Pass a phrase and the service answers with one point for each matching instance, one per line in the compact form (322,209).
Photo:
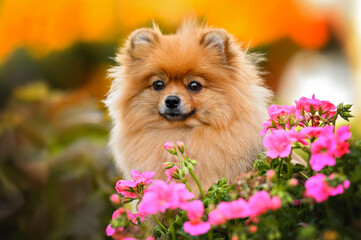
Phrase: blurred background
(56,173)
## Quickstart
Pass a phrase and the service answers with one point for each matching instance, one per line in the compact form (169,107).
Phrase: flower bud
(180,145)
(193,162)
(115,199)
(168,165)
(270,174)
(253,228)
(293,182)
(170,148)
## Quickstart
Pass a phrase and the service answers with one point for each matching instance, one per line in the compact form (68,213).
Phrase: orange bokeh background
(43,26)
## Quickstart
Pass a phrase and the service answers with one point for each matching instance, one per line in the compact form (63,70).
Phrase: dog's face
(183,79)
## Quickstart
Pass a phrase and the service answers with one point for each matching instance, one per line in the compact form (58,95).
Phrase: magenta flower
(171,171)
(278,144)
(306,104)
(320,160)
(195,210)
(275,202)
(342,147)
(229,210)
(328,109)
(117,213)
(346,184)
(196,228)
(144,178)
(259,203)
(124,187)
(110,231)
(133,217)
(161,196)
(115,199)
(317,188)
(276,111)
(311,132)
(297,136)
(336,191)
(216,217)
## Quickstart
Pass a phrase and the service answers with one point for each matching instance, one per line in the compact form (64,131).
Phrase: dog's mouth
(176,115)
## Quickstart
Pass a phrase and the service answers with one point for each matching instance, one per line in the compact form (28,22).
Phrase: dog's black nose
(172,101)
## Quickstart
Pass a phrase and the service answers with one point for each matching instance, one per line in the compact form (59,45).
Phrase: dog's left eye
(194,86)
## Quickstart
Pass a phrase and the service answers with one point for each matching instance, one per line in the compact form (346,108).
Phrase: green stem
(280,168)
(159,223)
(170,221)
(210,234)
(304,175)
(185,181)
(197,182)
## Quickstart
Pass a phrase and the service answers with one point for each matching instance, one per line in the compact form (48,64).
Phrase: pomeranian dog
(198,86)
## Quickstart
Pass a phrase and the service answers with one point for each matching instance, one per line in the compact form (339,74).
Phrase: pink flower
(161,196)
(195,210)
(320,160)
(278,143)
(133,217)
(235,209)
(297,136)
(117,213)
(327,109)
(196,228)
(259,203)
(342,147)
(115,198)
(275,111)
(216,217)
(229,210)
(124,187)
(336,191)
(307,104)
(346,184)
(144,178)
(270,174)
(317,188)
(275,203)
(322,150)
(110,231)
(170,172)
(311,132)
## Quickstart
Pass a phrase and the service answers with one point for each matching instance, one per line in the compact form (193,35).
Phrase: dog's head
(198,76)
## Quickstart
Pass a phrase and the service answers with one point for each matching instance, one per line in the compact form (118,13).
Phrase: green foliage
(55,173)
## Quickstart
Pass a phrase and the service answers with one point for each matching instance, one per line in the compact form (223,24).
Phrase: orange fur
(222,135)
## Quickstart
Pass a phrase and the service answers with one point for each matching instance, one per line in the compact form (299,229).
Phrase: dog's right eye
(158,85)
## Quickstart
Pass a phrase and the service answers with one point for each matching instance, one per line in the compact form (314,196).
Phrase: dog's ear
(140,41)
(218,40)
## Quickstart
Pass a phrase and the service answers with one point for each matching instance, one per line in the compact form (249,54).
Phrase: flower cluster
(132,189)
(253,199)
(326,144)
(307,112)
(257,204)
(318,188)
